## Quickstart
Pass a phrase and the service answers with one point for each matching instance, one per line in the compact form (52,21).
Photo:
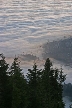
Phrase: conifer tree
(52,80)
(46,81)
(4,87)
(34,77)
(19,86)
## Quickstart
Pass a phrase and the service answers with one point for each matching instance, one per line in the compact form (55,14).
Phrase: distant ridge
(60,50)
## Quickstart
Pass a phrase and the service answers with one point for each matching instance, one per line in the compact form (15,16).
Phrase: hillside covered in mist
(60,50)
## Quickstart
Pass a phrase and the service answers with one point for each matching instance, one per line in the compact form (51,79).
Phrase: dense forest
(41,88)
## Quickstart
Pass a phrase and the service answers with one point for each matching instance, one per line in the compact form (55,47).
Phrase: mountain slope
(60,50)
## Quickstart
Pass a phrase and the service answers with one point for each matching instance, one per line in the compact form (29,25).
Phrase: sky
(25,25)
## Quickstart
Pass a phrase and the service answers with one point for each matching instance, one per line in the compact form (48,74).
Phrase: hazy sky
(25,25)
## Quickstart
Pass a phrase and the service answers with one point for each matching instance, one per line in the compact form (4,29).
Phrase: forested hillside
(60,50)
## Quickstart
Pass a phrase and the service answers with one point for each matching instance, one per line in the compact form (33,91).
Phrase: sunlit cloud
(25,25)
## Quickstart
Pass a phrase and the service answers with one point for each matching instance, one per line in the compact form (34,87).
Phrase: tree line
(42,88)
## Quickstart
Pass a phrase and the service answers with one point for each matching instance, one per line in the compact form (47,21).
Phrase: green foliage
(41,89)
(19,86)
(4,86)
(45,87)
(33,82)
(53,88)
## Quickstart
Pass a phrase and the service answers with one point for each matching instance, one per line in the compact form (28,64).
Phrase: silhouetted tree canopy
(43,88)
